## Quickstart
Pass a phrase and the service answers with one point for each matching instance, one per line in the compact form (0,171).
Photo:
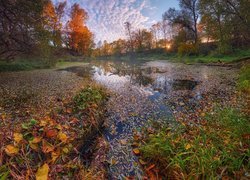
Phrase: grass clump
(244,79)
(218,148)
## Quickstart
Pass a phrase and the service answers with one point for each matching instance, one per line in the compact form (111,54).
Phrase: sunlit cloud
(107,17)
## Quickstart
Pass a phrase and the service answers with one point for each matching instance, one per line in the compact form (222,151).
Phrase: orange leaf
(136,151)
(11,150)
(47,147)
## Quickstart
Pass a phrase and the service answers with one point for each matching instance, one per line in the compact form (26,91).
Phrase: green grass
(213,150)
(244,79)
(22,65)
(238,54)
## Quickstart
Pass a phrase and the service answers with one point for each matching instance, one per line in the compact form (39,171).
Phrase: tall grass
(218,148)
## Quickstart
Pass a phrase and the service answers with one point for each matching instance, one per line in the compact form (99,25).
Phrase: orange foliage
(80,37)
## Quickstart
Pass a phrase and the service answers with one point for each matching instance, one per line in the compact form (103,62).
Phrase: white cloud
(107,17)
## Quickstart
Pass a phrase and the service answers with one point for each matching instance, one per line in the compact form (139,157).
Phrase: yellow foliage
(42,172)
(18,137)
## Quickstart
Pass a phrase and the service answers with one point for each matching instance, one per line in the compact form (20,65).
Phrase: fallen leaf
(136,151)
(63,137)
(36,140)
(150,167)
(123,142)
(47,147)
(43,123)
(55,155)
(51,133)
(42,172)
(66,150)
(188,146)
(11,150)
(113,161)
(18,137)
(142,162)
(33,146)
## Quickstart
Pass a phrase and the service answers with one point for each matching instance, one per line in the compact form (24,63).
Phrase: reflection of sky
(107,17)
(117,82)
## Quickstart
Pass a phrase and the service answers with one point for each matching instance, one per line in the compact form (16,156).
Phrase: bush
(187,49)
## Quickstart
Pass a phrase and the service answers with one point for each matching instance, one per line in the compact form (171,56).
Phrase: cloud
(107,17)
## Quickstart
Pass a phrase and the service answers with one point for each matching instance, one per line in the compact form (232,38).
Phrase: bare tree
(128,31)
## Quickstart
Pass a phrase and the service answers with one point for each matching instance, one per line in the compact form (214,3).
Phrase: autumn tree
(80,39)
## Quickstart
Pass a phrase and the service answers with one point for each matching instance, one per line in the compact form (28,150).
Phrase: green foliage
(215,149)
(244,79)
(90,96)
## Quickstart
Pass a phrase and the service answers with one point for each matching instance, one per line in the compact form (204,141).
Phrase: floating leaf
(11,150)
(142,162)
(113,161)
(136,151)
(123,142)
(42,172)
(18,137)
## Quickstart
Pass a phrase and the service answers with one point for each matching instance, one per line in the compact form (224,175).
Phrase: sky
(107,17)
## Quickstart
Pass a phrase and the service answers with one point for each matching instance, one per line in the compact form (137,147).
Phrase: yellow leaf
(18,137)
(42,172)
(66,150)
(188,146)
(63,137)
(55,155)
(11,150)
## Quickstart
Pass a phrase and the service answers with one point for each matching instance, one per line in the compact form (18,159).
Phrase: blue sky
(107,17)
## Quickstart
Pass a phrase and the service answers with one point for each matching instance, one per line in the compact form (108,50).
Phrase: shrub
(187,49)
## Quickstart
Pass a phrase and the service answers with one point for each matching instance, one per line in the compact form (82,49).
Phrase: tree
(80,37)
(128,31)
(21,28)
(187,17)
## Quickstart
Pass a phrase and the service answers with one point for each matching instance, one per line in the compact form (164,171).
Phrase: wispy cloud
(107,17)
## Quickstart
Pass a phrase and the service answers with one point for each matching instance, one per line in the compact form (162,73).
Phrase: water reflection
(149,79)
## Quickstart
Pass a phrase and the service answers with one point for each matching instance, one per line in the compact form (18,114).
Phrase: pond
(146,92)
